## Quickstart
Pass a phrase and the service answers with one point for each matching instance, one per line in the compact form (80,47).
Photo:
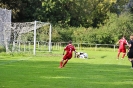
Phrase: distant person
(130,51)
(122,49)
(68,55)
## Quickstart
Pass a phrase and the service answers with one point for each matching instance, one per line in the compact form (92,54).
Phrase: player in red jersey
(68,55)
(122,42)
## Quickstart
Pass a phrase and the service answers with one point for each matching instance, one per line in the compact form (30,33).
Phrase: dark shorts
(130,53)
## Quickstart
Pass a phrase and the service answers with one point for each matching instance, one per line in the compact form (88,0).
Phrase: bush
(2,49)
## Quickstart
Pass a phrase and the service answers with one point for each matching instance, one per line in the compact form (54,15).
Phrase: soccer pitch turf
(101,70)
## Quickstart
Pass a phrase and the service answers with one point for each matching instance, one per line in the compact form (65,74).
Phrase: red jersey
(69,50)
(122,43)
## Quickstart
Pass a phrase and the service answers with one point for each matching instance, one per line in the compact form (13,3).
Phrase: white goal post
(50,30)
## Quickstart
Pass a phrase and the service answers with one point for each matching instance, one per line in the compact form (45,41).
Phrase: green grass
(101,70)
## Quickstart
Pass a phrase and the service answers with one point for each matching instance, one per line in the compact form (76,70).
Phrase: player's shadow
(91,58)
(103,56)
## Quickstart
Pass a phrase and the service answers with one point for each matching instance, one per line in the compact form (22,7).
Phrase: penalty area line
(13,61)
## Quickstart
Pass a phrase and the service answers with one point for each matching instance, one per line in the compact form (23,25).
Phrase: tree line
(93,21)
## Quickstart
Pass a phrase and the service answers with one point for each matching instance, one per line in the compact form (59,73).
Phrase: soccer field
(101,70)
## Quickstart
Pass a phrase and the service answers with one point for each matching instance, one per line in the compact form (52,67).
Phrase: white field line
(13,61)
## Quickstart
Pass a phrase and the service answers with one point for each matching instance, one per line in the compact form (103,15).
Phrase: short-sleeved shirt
(130,53)
(69,50)
(122,43)
(131,42)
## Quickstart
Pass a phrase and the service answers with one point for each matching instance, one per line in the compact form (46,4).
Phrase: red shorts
(67,56)
(122,50)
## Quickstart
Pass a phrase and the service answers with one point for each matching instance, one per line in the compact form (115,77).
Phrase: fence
(42,46)
(84,46)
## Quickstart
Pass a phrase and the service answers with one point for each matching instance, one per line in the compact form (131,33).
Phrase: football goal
(27,35)
(24,36)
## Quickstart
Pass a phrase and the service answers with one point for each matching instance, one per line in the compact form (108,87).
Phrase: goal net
(30,37)
(24,37)
(5,27)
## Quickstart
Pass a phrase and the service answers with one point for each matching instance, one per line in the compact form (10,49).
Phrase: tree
(74,13)
(12,5)
(22,10)
(116,27)
(119,6)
